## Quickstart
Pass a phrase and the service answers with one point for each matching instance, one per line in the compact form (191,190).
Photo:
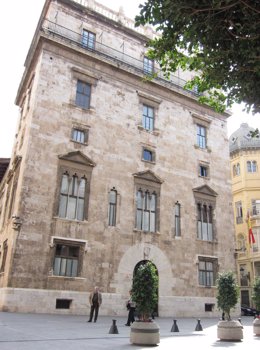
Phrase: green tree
(144,290)
(227,292)
(256,294)
(218,40)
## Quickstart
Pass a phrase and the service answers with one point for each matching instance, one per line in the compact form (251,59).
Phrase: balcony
(59,32)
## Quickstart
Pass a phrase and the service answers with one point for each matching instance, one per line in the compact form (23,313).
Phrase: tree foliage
(219,40)
(144,290)
(227,292)
(256,293)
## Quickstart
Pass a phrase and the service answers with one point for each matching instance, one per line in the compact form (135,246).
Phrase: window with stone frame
(205,199)
(202,124)
(205,221)
(83,92)
(239,212)
(148,155)
(67,257)
(148,65)
(4,255)
(88,39)
(251,166)
(204,170)
(74,178)
(147,195)
(112,207)
(177,210)
(148,117)
(236,169)
(201,136)
(207,270)
(79,135)
(149,106)
(255,206)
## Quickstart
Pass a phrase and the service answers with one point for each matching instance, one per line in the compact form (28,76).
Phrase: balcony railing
(109,53)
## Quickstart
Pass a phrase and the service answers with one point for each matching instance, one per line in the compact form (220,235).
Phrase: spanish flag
(251,237)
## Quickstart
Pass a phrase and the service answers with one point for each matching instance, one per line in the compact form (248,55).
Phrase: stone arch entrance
(143,262)
(122,281)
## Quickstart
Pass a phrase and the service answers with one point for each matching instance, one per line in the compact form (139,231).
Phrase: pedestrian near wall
(95,300)
(131,305)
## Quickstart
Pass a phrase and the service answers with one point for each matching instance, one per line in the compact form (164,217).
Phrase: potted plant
(227,298)
(144,293)
(256,300)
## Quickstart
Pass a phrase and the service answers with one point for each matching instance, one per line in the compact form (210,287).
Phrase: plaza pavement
(54,332)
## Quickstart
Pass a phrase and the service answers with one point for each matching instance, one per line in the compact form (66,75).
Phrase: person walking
(95,300)
(131,305)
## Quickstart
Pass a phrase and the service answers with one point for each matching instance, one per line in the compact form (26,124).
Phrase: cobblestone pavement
(66,332)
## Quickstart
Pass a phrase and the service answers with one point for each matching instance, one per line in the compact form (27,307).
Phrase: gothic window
(177,219)
(72,197)
(112,207)
(204,214)
(146,210)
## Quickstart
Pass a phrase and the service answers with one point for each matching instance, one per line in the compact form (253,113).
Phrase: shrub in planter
(227,293)
(144,290)
(227,298)
(144,293)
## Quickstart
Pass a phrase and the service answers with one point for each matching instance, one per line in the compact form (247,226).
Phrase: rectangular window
(66,260)
(201,136)
(112,207)
(148,118)
(148,65)
(203,171)
(79,135)
(239,212)
(177,219)
(251,166)
(146,211)
(88,39)
(148,155)
(206,273)
(205,217)
(72,197)
(256,207)
(83,94)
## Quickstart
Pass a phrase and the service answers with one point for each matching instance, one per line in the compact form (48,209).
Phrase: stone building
(111,168)
(245,161)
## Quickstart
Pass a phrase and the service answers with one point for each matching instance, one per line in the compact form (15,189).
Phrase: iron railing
(109,53)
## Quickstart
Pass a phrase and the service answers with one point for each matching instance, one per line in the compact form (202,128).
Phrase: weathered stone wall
(115,146)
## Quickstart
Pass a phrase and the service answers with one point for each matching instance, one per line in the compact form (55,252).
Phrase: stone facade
(39,243)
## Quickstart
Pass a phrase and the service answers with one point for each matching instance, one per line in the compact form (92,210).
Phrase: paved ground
(55,332)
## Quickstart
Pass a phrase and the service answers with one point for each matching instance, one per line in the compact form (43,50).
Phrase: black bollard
(175,327)
(198,327)
(113,328)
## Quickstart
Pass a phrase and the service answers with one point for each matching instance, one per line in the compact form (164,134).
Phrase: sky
(18,20)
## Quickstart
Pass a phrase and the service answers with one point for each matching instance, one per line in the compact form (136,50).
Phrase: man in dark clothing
(95,300)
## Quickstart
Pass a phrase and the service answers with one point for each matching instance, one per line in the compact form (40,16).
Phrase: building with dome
(245,171)
(113,165)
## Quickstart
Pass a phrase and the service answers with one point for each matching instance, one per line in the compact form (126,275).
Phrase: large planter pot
(256,326)
(146,333)
(230,330)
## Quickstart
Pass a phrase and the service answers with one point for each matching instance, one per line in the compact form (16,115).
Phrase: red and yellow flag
(251,237)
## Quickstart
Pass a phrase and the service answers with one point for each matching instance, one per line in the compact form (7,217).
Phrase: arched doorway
(143,262)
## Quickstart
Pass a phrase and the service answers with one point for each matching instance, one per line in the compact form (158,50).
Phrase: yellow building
(245,163)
